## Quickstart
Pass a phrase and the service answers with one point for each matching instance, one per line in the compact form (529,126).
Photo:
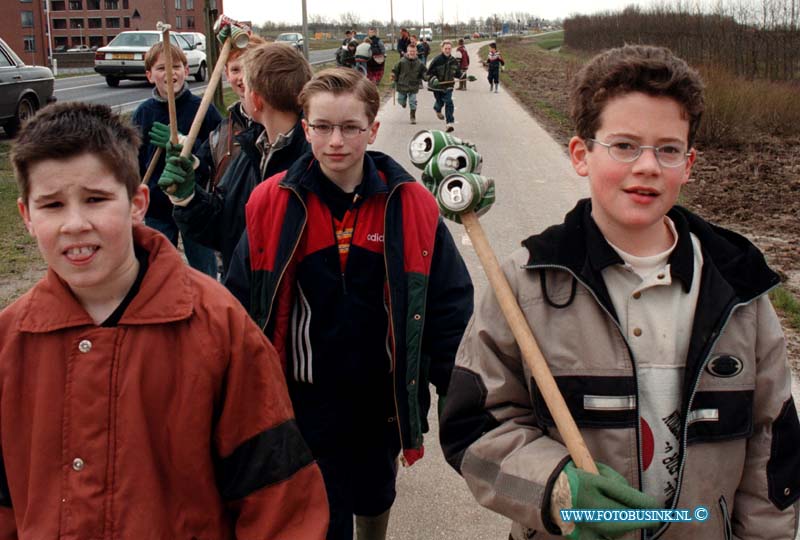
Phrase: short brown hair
(655,71)
(152,54)
(277,73)
(253,41)
(65,130)
(339,81)
(446,42)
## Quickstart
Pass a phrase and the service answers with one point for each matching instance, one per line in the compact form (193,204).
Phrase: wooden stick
(173,114)
(151,167)
(208,95)
(528,347)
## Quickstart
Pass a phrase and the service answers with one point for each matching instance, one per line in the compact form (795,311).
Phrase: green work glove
(486,187)
(177,179)
(224,33)
(433,83)
(159,136)
(607,491)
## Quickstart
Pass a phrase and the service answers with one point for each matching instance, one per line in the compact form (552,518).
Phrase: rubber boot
(413,116)
(496,86)
(372,527)
(462,84)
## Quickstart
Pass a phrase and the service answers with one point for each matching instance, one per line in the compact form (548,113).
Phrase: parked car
(476,35)
(80,48)
(123,58)
(23,89)
(426,34)
(294,39)
(195,39)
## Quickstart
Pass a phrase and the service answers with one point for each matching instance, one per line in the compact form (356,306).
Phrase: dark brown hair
(152,54)
(343,81)
(654,71)
(66,130)
(277,73)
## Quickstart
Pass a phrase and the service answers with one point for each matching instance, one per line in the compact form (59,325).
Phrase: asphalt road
(92,88)
(535,187)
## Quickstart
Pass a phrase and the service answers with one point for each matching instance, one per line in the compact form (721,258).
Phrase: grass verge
(788,305)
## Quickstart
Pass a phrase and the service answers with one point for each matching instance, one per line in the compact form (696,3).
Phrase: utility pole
(391,22)
(423,15)
(212,50)
(305,31)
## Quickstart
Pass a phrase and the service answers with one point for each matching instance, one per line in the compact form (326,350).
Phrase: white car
(80,48)
(196,39)
(123,58)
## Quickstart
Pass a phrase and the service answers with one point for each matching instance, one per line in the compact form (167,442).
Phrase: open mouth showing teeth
(80,252)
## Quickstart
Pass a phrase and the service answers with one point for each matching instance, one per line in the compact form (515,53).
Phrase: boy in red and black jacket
(352,274)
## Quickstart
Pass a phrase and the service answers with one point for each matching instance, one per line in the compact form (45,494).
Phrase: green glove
(224,33)
(608,490)
(177,179)
(159,136)
(433,83)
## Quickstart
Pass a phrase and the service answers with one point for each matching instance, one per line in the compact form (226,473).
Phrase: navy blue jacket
(155,110)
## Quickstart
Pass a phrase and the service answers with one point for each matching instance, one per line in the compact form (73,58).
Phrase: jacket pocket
(727,529)
(720,416)
(595,402)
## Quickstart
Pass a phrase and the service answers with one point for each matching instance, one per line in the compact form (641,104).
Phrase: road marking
(79,87)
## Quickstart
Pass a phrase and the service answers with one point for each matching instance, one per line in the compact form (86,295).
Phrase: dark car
(23,89)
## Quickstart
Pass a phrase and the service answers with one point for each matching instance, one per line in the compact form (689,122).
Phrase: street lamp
(80,31)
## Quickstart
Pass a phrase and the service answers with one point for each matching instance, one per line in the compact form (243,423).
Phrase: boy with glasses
(659,332)
(352,274)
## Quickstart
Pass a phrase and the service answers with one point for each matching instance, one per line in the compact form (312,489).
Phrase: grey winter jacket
(739,455)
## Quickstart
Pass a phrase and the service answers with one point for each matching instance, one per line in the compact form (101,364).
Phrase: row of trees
(351,20)
(756,41)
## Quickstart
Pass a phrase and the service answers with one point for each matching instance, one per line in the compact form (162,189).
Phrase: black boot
(413,116)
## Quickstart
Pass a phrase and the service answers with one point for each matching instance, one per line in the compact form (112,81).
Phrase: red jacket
(174,424)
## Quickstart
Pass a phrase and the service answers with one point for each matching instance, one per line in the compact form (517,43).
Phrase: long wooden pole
(531,353)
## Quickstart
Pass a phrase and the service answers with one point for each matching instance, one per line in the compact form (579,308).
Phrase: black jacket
(445,68)
(216,219)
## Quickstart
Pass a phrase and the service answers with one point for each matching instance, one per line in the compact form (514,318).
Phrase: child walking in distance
(355,277)
(463,58)
(137,398)
(407,75)
(155,109)
(657,328)
(495,62)
(442,73)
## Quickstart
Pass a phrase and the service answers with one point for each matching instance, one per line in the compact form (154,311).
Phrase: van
(426,33)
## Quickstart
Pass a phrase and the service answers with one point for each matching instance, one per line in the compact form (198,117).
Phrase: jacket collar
(579,245)
(181,94)
(165,294)
(381,174)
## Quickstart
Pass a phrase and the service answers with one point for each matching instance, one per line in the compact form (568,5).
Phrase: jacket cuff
(551,527)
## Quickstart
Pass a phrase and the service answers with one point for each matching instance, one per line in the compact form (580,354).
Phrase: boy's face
(411,52)
(447,49)
(414,40)
(82,219)
(234,72)
(158,75)
(339,156)
(630,200)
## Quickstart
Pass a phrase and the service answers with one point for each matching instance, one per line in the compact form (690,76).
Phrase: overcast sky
(290,11)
